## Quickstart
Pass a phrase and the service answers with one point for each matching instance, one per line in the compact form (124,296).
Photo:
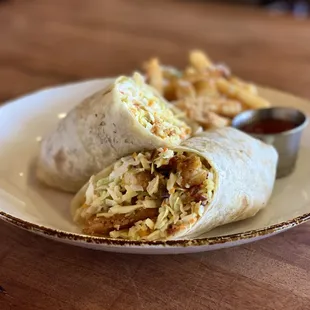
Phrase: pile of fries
(208,93)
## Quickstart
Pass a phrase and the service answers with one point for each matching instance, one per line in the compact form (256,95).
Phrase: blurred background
(298,8)
(51,42)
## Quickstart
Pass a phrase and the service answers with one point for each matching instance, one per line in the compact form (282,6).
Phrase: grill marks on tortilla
(63,162)
(60,159)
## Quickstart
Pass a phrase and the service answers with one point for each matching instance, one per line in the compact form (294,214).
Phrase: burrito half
(127,116)
(215,178)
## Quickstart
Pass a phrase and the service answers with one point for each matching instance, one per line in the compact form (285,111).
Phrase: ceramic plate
(29,205)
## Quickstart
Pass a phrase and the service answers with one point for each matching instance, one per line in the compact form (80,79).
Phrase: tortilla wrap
(100,130)
(243,173)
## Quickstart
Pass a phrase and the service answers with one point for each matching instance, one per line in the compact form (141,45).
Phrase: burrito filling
(151,111)
(149,195)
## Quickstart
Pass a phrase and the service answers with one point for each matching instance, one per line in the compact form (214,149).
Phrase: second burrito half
(212,179)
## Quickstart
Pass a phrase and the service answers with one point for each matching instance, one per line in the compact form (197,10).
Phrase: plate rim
(207,241)
(196,242)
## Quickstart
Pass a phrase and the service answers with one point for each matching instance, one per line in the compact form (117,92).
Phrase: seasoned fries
(240,93)
(199,61)
(208,111)
(209,94)
(155,74)
(185,89)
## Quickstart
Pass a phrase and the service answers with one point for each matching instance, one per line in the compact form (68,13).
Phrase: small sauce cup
(279,126)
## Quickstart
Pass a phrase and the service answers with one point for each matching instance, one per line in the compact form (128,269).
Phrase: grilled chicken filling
(150,195)
(151,111)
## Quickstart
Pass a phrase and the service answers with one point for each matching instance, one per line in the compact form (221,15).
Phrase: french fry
(189,71)
(201,105)
(190,74)
(247,86)
(198,112)
(236,92)
(222,70)
(228,107)
(252,101)
(195,107)
(185,89)
(154,74)
(213,120)
(170,89)
(199,60)
(206,88)
(206,92)
(171,73)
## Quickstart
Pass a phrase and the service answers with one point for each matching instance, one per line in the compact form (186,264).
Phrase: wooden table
(54,41)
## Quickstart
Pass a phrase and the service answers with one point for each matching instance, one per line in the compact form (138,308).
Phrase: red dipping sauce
(268,126)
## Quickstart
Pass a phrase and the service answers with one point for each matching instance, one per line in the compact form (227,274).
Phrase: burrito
(214,178)
(125,117)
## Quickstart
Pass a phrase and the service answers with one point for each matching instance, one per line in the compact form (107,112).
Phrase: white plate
(27,204)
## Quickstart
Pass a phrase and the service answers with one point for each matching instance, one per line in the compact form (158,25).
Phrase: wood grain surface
(49,42)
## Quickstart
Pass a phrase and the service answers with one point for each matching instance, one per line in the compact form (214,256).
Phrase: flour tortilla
(245,171)
(92,136)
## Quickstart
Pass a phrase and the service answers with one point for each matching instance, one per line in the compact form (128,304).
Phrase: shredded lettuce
(148,203)
(150,110)
(164,157)
(137,183)
(90,191)
(171,182)
(152,188)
